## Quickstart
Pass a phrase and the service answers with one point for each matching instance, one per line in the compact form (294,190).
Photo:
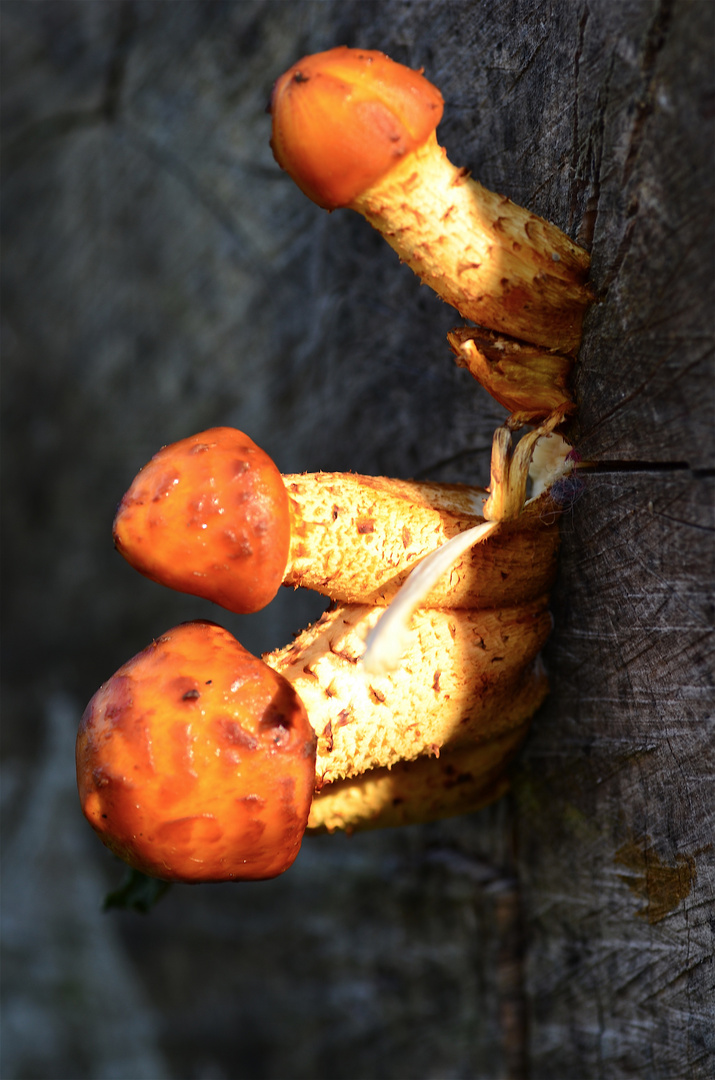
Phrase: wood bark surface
(161,275)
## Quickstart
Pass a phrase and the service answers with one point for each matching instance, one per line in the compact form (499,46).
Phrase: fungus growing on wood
(353,128)
(211,515)
(199,762)
(196,761)
(510,472)
(529,381)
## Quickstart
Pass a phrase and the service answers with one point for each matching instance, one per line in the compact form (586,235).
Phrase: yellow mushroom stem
(357,538)
(466,677)
(432,787)
(498,264)
(423,723)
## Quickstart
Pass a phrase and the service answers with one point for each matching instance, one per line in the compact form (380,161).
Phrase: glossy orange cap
(209,516)
(196,761)
(343,118)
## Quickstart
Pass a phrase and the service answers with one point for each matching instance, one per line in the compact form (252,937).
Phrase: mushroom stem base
(411,793)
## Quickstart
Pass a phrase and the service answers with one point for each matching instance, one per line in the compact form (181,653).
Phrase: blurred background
(160,276)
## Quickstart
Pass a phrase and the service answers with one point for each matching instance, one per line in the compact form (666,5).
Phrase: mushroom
(209,516)
(196,761)
(353,128)
(212,516)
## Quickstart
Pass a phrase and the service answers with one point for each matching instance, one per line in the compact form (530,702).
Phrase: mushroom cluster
(197,761)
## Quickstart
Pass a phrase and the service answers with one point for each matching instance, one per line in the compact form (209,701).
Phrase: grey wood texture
(160,275)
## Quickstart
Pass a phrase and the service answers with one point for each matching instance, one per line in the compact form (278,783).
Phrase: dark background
(161,275)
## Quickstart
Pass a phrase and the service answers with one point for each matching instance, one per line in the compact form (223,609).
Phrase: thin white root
(386,642)
(540,455)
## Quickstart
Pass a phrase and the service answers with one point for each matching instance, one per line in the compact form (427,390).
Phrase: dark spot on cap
(182,687)
(299,77)
(252,800)
(235,735)
(276,717)
(242,550)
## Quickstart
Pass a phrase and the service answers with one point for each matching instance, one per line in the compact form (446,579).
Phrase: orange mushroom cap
(209,515)
(196,761)
(343,118)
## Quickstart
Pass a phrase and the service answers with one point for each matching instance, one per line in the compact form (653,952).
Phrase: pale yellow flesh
(528,380)
(466,677)
(496,263)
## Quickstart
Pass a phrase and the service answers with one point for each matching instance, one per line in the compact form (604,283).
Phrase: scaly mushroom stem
(457,782)
(358,538)
(355,129)
(466,677)
(496,263)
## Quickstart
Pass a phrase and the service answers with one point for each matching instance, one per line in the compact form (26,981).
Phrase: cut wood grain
(160,275)
(616,797)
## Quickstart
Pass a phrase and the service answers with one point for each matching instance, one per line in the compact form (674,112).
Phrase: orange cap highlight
(209,515)
(196,761)
(343,118)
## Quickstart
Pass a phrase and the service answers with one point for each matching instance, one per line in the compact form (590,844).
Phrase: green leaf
(136,893)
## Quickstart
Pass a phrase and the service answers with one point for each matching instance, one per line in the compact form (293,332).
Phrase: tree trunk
(161,275)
